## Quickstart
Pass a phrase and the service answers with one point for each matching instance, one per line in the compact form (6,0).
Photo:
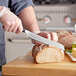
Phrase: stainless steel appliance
(56,15)
(51,15)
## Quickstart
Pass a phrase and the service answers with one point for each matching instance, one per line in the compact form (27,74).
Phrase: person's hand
(11,22)
(49,35)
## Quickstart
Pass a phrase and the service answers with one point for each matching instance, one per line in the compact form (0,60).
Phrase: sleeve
(18,5)
(4,3)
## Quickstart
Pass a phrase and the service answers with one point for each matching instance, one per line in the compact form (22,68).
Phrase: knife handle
(23,31)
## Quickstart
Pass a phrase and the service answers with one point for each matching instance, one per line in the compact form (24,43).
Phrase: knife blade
(43,40)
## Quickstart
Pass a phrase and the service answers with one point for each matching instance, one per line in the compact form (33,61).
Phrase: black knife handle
(23,31)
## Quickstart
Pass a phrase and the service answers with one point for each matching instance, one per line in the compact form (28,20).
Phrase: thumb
(20,28)
(54,36)
(49,36)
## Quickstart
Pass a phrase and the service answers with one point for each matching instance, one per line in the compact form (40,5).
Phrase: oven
(56,14)
(51,15)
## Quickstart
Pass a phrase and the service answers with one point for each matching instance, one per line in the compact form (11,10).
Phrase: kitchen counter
(25,66)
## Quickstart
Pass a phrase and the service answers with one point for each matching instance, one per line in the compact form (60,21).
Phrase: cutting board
(25,66)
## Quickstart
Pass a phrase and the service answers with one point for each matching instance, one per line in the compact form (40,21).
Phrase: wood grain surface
(25,66)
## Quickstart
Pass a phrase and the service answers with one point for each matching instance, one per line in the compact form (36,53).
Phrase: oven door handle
(19,40)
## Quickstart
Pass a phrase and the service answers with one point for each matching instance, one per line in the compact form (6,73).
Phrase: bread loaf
(45,54)
(65,38)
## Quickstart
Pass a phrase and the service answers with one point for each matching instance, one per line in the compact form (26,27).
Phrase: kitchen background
(51,15)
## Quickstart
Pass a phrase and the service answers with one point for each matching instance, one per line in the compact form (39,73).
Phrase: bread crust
(65,38)
(38,49)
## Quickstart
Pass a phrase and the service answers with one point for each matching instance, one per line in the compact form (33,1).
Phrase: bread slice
(45,54)
(65,38)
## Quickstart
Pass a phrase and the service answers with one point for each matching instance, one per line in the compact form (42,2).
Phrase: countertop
(25,66)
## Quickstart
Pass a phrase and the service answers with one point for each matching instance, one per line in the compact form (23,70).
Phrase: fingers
(15,27)
(43,34)
(11,22)
(36,42)
(20,28)
(11,27)
(51,36)
(54,36)
(5,27)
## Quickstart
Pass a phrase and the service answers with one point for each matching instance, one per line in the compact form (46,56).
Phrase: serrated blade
(43,40)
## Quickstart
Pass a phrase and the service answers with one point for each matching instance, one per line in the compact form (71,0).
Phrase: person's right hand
(11,22)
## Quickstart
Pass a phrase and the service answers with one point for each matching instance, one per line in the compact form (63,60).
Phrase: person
(20,15)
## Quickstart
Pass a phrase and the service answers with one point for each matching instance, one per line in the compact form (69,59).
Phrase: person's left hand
(53,36)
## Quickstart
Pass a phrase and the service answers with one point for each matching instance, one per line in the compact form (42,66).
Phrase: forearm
(29,19)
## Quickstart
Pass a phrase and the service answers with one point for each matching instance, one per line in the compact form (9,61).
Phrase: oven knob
(47,19)
(67,19)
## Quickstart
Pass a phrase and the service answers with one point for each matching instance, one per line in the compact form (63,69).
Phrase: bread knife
(43,40)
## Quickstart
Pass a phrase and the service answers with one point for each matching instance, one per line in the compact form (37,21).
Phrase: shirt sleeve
(18,5)
(4,3)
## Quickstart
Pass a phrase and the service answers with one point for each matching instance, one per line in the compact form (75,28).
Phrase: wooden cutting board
(25,66)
